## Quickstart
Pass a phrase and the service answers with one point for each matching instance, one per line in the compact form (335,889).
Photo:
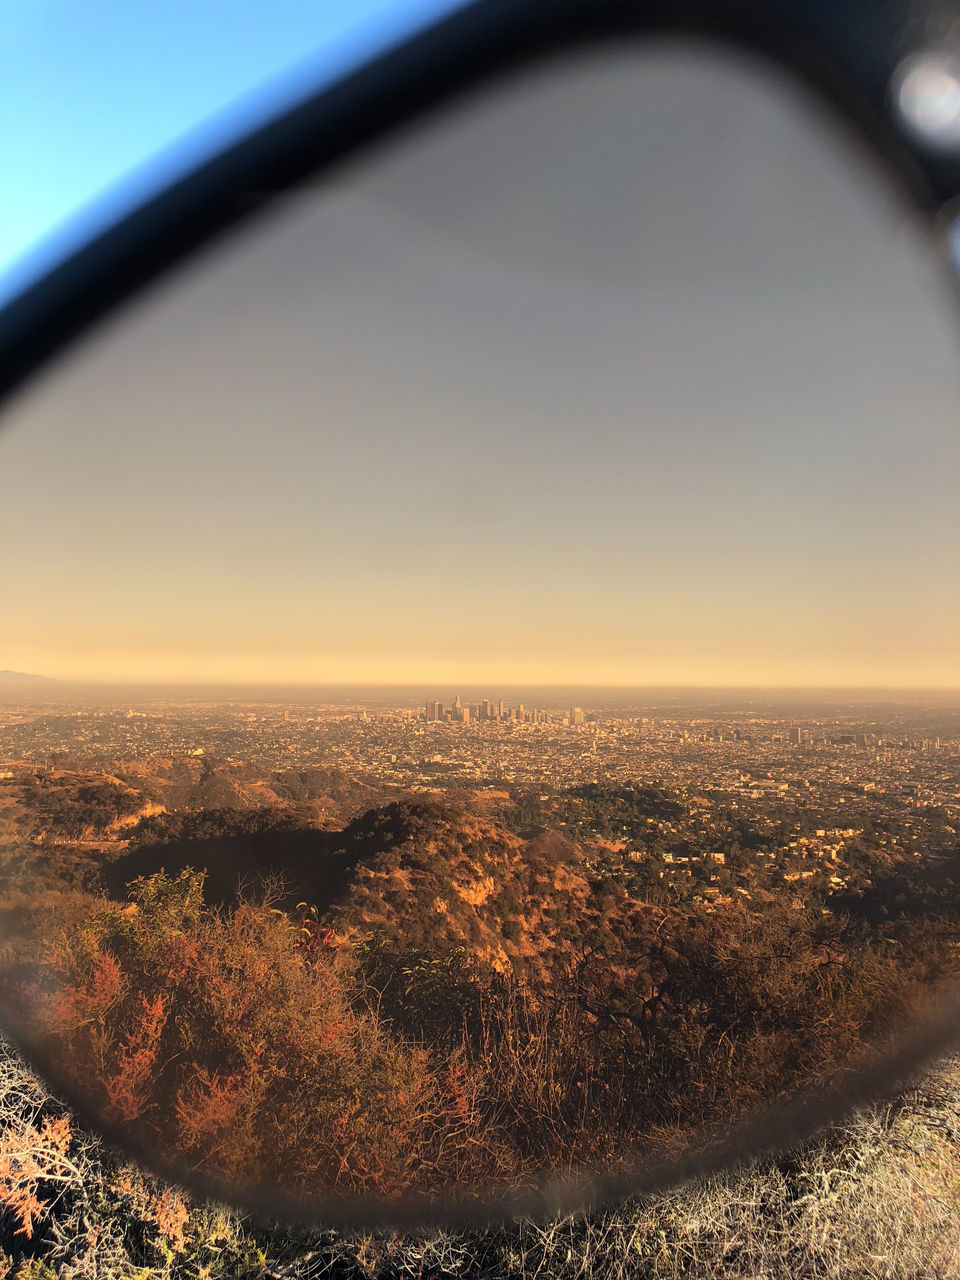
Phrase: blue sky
(104,101)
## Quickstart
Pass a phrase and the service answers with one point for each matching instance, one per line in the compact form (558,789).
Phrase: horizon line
(166,682)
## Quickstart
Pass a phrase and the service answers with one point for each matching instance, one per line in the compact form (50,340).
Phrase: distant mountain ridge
(19,677)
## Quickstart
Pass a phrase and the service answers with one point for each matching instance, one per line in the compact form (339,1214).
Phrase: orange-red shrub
(227,1040)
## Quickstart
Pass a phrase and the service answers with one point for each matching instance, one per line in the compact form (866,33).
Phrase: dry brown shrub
(31,1158)
(235,1039)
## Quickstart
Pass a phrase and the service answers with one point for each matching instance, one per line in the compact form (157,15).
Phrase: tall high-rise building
(796,735)
(576,715)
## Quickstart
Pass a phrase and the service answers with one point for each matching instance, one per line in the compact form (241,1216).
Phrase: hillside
(470,994)
(71,803)
(435,875)
(419,873)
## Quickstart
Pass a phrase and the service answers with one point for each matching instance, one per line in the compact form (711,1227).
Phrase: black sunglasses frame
(847,51)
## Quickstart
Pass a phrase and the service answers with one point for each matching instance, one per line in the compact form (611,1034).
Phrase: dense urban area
(811,781)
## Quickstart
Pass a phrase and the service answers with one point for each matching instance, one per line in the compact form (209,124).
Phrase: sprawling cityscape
(817,776)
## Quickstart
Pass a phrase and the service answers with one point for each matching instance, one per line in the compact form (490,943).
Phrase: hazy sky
(628,374)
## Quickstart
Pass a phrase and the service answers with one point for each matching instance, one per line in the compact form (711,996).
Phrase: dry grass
(876,1199)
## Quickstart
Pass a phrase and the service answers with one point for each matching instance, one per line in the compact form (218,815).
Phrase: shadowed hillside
(279,860)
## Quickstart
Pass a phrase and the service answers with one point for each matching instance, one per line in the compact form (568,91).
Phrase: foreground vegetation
(264,1045)
(875,1199)
(450,989)
(467,1004)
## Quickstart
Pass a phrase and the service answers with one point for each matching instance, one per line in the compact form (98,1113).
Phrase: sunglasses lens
(495,632)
